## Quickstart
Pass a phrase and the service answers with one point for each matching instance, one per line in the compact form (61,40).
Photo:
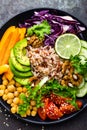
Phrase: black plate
(20,18)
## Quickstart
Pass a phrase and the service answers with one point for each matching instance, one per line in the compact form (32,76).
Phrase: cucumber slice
(82,84)
(83,43)
(83,59)
(85,76)
(83,52)
(82,91)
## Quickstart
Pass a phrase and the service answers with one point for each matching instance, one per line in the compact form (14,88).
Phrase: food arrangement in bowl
(43,66)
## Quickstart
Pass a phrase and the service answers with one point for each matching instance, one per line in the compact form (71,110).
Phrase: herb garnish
(79,67)
(40,29)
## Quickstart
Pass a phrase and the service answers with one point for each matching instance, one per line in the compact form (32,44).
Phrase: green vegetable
(18,51)
(23,107)
(64,91)
(40,30)
(22,81)
(17,65)
(19,73)
(33,94)
(79,67)
(46,88)
(82,91)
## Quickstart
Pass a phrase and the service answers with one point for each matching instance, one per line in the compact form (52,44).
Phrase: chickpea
(31,107)
(11,88)
(16,100)
(21,101)
(33,113)
(3,77)
(4,97)
(32,103)
(1,92)
(10,95)
(17,84)
(12,82)
(9,101)
(16,93)
(12,104)
(23,115)
(19,89)
(14,109)
(6,91)
(5,82)
(28,112)
(2,87)
(26,94)
(35,108)
(24,89)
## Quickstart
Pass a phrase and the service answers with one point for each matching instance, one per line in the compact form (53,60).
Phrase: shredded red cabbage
(59,25)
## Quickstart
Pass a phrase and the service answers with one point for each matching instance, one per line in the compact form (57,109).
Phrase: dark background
(10,8)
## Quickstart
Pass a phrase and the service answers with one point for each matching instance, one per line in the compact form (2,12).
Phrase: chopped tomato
(53,112)
(67,108)
(42,113)
(55,107)
(42,110)
(79,103)
(58,100)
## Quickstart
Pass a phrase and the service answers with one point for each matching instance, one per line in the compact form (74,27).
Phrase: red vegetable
(42,113)
(49,110)
(67,108)
(59,25)
(42,110)
(53,112)
(56,106)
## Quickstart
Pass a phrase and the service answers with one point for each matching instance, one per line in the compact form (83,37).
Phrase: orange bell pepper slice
(14,38)
(4,68)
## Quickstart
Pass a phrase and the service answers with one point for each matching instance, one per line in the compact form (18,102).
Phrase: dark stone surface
(10,8)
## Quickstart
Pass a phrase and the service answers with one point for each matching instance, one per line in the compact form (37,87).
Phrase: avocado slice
(22,81)
(18,52)
(16,64)
(18,73)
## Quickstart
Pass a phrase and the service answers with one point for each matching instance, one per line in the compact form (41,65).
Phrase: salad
(43,64)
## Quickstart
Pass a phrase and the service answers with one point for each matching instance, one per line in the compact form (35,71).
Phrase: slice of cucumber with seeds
(85,76)
(82,91)
(83,52)
(82,84)
(83,43)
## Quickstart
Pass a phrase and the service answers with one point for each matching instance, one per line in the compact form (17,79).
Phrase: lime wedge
(67,44)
